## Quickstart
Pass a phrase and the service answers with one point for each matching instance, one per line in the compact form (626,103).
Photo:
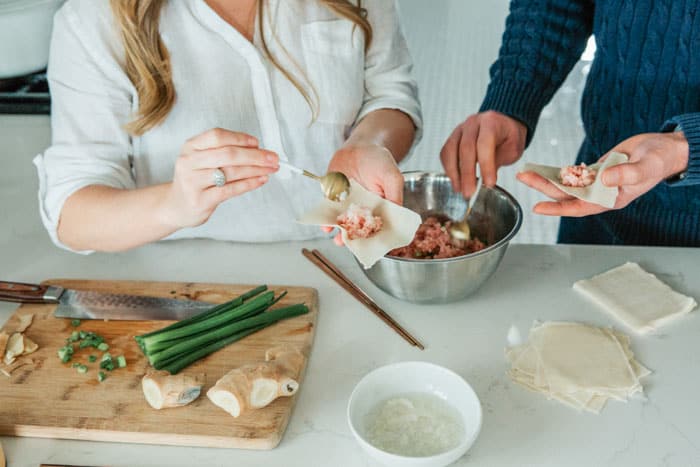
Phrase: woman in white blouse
(151,97)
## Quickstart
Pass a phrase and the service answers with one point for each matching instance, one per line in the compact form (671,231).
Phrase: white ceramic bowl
(407,377)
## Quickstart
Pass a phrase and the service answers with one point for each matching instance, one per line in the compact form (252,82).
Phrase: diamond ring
(219,177)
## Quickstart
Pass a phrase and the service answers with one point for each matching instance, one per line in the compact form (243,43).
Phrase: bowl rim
(507,238)
(465,444)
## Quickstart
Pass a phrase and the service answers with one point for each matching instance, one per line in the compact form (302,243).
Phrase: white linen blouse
(221,80)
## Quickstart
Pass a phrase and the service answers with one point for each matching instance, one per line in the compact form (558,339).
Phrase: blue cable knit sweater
(645,78)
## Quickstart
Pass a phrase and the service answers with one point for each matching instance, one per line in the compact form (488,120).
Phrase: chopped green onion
(75,323)
(66,353)
(92,358)
(82,368)
(107,363)
(103,346)
(121,361)
(101,376)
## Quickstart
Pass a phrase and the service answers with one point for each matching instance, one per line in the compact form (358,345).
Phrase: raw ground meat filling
(577,175)
(359,222)
(432,241)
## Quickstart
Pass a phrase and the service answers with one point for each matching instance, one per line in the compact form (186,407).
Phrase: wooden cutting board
(50,399)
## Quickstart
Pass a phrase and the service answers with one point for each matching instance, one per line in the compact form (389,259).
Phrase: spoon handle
(297,170)
(472,199)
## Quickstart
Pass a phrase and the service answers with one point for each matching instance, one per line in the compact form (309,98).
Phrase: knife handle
(23,293)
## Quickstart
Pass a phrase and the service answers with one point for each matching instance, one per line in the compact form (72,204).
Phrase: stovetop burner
(25,95)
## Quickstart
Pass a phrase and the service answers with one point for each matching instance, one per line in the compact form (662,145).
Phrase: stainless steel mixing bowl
(495,219)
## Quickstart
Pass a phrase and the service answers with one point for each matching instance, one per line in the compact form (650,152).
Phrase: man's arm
(542,42)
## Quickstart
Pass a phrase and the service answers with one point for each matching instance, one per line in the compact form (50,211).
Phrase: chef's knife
(98,305)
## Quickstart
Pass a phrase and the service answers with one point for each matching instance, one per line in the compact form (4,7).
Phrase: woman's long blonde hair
(147,61)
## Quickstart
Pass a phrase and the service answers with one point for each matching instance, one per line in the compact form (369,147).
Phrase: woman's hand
(372,166)
(653,157)
(490,139)
(192,196)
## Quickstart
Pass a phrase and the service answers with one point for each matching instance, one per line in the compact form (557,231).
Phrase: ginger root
(163,390)
(15,347)
(257,385)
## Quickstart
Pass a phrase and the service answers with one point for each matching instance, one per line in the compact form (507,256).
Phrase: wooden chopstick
(323,263)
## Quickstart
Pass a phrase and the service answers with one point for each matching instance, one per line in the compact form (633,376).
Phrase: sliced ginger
(24,322)
(163,390)
(4,337)
(15,347)
(257,385)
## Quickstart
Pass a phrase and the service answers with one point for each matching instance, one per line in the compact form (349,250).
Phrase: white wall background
(453,43)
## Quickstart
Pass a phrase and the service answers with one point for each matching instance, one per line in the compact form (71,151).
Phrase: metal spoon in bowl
(335,185)
(460,233)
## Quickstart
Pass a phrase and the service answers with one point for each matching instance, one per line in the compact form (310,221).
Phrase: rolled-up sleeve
(90,103)
(389,83)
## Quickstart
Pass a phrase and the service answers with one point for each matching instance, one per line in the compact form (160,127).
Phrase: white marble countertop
(520,428)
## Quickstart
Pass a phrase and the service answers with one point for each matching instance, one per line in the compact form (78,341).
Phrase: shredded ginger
(415,424)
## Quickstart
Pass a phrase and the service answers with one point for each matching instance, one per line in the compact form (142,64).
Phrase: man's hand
(490,139)
(653,157)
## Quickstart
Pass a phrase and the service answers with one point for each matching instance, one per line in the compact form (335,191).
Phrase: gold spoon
(335,185)
(459,231)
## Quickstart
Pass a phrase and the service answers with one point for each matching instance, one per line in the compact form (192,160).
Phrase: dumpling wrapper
(585,354)
(635,297)
(595,193)
(577,356)
(399,224)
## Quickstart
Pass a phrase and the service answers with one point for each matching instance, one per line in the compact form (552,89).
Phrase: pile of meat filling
(432,241)
(577,175)
(359,222)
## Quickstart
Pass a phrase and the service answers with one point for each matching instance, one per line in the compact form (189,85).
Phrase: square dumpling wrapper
(399,224)
(595,193)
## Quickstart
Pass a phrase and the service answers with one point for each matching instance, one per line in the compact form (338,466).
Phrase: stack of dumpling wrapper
(579,365)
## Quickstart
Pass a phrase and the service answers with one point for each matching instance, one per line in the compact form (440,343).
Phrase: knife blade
(100,305)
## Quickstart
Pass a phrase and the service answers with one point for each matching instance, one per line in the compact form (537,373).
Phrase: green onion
(121,361)
(210,312)
(178,363)
(214,322)
(82,368)
(180,344)
(103,346)
(66,353)
(227,330)
(101,376)
(92,358)
(107,363)
(75,323)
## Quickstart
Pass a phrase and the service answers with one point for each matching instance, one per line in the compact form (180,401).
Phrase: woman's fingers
(393,187)
(205,177)
(219,137)
(541,184)
(216,195)
(337,238)
(231,156)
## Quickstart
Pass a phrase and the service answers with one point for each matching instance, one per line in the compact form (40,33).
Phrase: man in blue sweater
(642,98)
